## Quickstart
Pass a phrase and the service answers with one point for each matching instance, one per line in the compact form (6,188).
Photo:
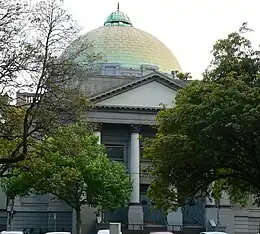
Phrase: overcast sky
(188,27)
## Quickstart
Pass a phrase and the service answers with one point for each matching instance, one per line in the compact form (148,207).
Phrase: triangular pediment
(151,94)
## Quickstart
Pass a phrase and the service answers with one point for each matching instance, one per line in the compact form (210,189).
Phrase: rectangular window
(115,152)
(144,188)
(110,70)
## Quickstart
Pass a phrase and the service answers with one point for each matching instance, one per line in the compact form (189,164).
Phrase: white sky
(188,27)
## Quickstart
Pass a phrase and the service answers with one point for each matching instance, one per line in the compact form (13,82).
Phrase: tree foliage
(73,167)
(210,140)
(235,54)
(37,84)
(183,76)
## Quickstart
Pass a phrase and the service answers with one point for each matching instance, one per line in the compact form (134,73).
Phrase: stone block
(135,217)
(115,228)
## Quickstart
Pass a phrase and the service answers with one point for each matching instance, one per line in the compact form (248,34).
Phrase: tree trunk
(78,224)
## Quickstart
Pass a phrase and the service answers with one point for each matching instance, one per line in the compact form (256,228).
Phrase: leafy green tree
(210,140)
(235,54)
(182,76)
(72,166)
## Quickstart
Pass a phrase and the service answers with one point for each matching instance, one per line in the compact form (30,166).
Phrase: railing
(193,214)
(24,98)
(120,215)
(146,169)
(147,175)
(152,216)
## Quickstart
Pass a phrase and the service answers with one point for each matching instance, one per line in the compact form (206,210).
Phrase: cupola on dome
(117,18)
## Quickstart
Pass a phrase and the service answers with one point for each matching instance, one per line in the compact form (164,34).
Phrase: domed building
(126,50)
(133,80)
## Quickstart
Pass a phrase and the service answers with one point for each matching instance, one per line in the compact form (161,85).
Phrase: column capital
(98,127)
(135,128)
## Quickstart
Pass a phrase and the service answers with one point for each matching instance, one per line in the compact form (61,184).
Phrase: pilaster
(98,131)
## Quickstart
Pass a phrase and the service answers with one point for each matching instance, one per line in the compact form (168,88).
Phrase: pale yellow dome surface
(130,47)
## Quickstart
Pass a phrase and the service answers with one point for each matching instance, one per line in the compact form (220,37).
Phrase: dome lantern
(118,18)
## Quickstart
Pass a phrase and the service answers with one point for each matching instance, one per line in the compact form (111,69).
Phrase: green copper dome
(118,42)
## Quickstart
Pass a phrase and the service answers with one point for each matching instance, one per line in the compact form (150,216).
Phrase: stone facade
(124,110)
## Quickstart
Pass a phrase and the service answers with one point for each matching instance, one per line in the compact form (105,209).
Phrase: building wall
(3,200)
(236,219)
(45,220)
(246,225)
(3,212)
(3,220)
(95,85)
(41,212)
(246,220)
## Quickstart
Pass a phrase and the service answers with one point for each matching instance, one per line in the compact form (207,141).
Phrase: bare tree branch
(37,80)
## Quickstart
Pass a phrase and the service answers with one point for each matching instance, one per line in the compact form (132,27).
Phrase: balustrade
(193,214)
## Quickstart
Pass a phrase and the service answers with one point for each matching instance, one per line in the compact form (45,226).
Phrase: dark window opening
(144,188)
(115,152)
(144,202)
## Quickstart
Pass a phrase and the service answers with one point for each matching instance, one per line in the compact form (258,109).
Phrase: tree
(209,141)
(37,82)
(73,167)
(182,76)
(235,55)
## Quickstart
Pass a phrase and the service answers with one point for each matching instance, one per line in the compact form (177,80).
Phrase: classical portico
(132,132)
(122,115)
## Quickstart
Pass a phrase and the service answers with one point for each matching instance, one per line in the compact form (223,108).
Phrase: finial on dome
(117,18)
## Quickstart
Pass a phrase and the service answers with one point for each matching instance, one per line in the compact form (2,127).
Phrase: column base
(175,220)
(135,217)
(115,228)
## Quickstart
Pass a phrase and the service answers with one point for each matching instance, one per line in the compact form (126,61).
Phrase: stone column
(135,211)
(135,164)
(97,131)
